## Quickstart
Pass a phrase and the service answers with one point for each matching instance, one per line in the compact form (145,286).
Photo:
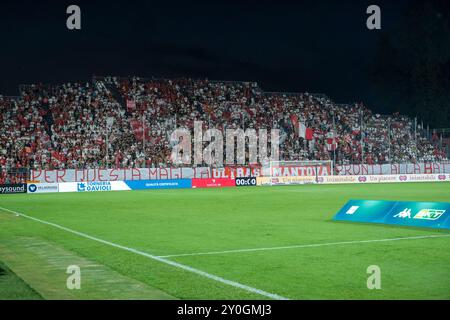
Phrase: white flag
(301,130)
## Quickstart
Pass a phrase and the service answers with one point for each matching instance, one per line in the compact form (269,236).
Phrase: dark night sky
(315,46)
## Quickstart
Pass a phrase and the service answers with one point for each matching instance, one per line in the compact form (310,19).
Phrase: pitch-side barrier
(97,186)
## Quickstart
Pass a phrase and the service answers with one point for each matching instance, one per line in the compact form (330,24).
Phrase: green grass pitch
(14,288)
(176,222)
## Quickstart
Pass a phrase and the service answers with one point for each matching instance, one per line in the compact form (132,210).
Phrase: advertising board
(245,182)
(159,184)
(213,183)
(42,187)
(406,213)
(13,188)
(93,186)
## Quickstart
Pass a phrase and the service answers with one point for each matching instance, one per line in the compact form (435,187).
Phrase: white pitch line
(157,258)
(302,246)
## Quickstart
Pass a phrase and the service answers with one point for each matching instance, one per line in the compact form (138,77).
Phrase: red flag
(138,132)
(58,156)
(131,105)
(294,120)
(331,144)
(137,129)
(309,132)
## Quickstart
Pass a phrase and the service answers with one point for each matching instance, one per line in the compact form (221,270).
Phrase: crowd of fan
(359,135)
(127,122)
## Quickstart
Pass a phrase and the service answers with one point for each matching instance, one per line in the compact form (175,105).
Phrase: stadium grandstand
(219,155)
(114,122)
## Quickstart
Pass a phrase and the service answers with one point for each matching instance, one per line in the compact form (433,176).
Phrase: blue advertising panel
(159,184)
(364,210)
(406,213)
(447,222)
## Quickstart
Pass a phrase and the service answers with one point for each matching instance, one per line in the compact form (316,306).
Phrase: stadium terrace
(85,171)
(114,122)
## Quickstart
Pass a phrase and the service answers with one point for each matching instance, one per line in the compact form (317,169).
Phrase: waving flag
(309,133)
(302,130)
(331,144)
(138,131)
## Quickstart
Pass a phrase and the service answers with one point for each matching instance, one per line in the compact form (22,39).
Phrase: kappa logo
(429,214)
(442,177)
(362,179)
(406,213)
(403,178)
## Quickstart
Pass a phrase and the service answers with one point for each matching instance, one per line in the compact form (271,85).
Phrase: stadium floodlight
(297,172)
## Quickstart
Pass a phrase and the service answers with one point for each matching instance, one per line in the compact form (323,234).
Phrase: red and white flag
(301,130)
(309,133)
(331,144)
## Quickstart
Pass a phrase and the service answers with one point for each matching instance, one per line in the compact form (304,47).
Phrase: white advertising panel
(93,186)
(42,187)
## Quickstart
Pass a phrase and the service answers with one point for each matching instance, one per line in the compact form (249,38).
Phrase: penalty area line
(302,246)
(156,258)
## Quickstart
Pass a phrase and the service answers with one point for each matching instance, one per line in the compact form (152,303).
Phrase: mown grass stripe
(153,257)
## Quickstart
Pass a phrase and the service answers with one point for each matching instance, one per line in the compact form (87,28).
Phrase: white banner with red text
(87,175)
